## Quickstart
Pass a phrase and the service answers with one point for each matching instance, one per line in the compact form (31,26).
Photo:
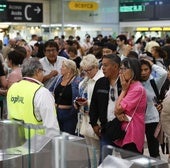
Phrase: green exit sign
(2,7)
(134,8)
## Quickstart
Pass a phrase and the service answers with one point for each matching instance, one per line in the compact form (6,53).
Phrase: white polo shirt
(48,67)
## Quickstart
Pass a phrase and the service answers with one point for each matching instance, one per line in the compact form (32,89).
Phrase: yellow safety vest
(20,104)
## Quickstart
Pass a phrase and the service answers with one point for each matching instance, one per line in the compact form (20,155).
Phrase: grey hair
(89,61)
(30,66)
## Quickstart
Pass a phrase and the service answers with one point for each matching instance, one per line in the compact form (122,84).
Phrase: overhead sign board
(133,8)
(24,12)
(3,7)
(141,10)
(88,6)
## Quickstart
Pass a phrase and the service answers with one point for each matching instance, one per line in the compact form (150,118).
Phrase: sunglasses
(112,91)
(127,64)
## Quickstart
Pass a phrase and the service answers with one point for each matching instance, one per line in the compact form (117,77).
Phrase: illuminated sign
(134,8)
(122,1)
(155,29)
(21,12)
(144,10)
(24,12)
(3,11)
(142,29)
(166,28)
(83,6)
(2,7)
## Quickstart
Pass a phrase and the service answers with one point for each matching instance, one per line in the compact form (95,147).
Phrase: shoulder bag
(113,129)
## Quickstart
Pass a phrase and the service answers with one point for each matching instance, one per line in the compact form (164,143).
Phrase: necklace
(66,81)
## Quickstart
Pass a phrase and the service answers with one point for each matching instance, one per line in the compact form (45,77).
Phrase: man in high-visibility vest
(28,101)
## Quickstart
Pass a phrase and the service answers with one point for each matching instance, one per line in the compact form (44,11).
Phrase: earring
(68,74)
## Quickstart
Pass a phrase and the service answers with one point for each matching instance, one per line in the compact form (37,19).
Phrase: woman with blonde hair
(65,90)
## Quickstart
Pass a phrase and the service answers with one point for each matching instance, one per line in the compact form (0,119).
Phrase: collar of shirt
(33,80)
(49,61)
(98,75)
(148,81)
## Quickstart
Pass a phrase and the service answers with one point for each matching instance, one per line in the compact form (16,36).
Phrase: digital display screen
(143,10)
(3,7)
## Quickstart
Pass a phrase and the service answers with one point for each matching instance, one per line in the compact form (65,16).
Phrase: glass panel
(36,142)
(19,148)
(64,152)
(12,136)
(122,158)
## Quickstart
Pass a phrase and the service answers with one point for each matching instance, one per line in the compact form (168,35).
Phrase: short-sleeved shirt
(48,67)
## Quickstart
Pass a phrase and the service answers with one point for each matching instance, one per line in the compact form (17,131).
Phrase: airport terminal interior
(74,29)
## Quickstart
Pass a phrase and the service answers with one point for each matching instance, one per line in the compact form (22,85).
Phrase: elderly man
(28,101)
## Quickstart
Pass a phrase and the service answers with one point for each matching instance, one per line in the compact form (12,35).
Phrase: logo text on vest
(17,99)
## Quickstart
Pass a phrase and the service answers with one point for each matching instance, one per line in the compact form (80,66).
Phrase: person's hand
(81,101)
(3,92)
(53,73)
(148,60)
(122,117)
(76,105)
(157,104)
(159,107)
(97,130)
(126,49)
(125,84)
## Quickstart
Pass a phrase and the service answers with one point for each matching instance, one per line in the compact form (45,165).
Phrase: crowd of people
(49,83)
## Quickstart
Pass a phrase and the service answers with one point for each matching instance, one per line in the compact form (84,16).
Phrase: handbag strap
(155,88)
(134,111)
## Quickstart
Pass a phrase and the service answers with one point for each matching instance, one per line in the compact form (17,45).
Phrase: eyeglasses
(41,69)
(50,50)
(126,65)
(112,91)
(88,70)
(123,69)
